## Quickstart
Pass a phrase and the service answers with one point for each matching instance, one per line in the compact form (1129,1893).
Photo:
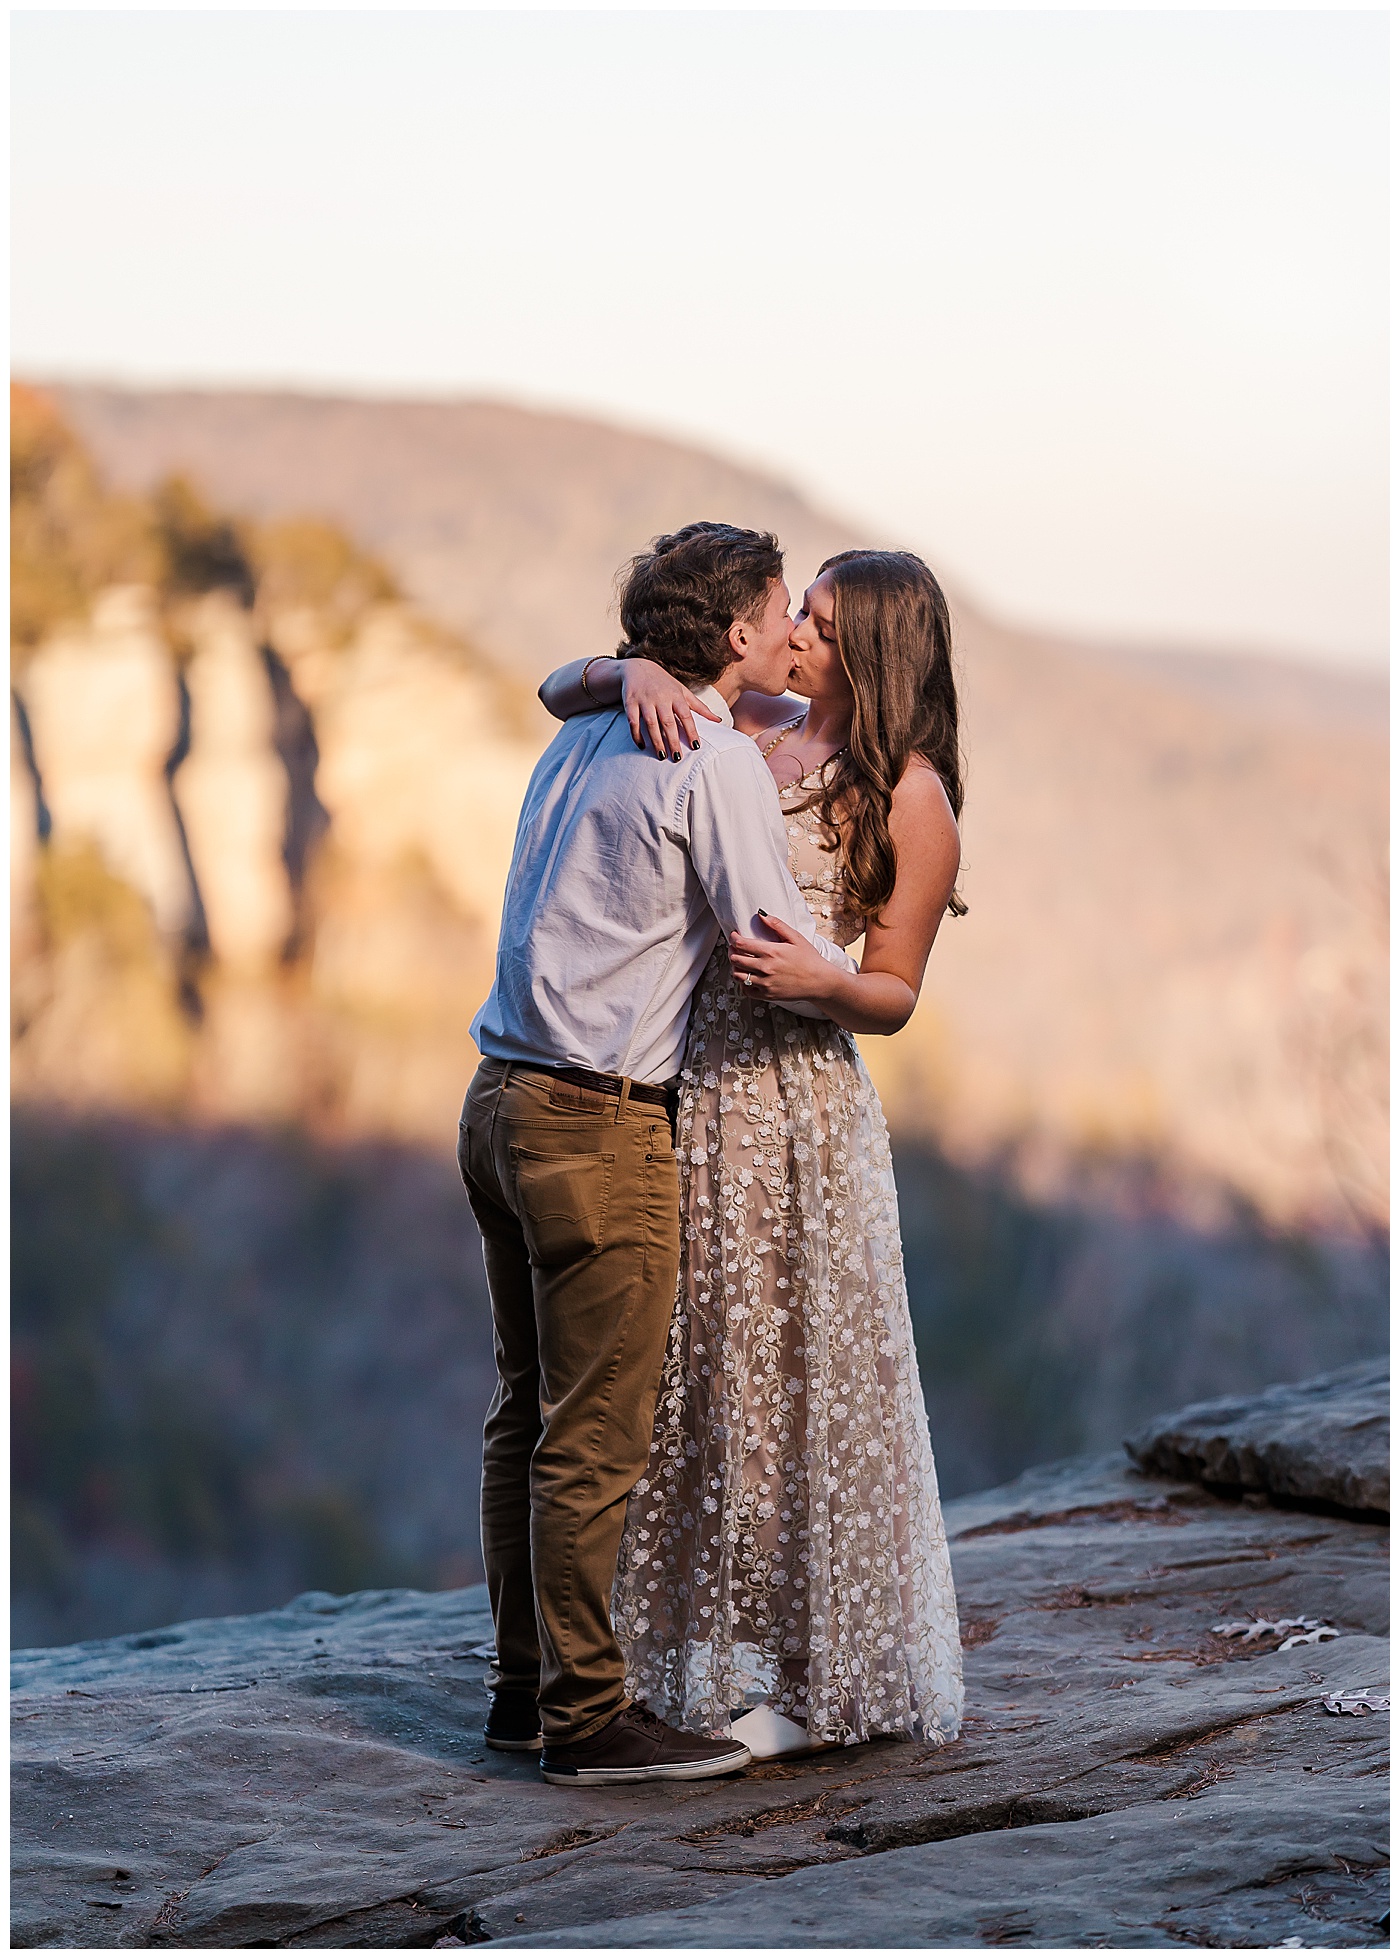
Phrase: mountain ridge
(508,523)
(220,435)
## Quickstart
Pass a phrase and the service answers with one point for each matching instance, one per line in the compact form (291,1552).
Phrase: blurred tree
(69,536)
(199,550)
(116,1446)
(86,1462)
(119,978)
(1339,1034)
(1050,1326)
(305,563)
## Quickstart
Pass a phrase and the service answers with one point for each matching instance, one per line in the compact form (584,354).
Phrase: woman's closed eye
(801,617)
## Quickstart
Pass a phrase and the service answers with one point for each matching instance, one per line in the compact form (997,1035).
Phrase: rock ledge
(1324,1441)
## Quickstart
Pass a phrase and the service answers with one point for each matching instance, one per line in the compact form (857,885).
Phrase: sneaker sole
(662,1772)
(515,1747)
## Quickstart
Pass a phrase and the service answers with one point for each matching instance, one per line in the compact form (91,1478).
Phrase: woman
(784,1574)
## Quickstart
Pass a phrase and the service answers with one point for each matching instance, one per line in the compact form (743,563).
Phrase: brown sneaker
(637,1746)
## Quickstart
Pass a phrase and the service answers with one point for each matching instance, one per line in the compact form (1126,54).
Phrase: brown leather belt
(662,1097)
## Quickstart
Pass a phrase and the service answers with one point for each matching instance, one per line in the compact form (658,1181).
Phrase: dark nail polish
(695,744)
(676,756)
(761,912)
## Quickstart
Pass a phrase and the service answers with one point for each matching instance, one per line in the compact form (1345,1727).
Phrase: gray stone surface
(316,1777)
(1321,1441)
(1238,1867)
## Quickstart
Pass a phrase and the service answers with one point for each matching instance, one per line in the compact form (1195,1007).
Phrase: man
(625,872)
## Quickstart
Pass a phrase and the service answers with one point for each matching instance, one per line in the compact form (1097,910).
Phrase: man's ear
(738,639)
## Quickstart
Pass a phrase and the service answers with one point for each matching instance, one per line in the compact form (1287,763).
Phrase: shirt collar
(713,698)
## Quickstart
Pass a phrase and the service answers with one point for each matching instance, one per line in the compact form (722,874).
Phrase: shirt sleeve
(738,846)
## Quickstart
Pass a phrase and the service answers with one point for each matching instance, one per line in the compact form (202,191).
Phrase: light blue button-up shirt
(626,870)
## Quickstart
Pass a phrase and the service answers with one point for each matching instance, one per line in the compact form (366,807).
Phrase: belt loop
(501,1088)
(624,1096)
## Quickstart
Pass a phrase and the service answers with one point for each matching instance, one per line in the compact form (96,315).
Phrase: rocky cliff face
(263,813)
(337,988)
(104,714)
(232,793)
(1175,1735)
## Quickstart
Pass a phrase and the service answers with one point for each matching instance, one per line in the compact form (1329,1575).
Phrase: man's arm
(737,844)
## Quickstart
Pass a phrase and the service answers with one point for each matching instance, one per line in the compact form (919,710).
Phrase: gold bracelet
(583,678)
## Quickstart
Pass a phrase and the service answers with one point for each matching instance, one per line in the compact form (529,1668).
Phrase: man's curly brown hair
(680,598)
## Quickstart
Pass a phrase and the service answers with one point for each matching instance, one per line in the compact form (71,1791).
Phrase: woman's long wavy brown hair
(895,640)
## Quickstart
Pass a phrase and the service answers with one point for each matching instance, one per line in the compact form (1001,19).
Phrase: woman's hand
(652,699)
(657,702)
(785,967)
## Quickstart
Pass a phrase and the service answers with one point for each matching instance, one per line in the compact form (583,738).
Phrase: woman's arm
(652,698)
(562,693)
(881,996)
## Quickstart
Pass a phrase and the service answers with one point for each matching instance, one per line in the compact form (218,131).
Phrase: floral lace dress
(786,1542)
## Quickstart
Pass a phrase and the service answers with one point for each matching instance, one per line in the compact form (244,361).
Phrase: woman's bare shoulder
(928,848)
(919,795)
(759,714)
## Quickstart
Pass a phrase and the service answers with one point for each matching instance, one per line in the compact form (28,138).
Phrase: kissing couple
(709,1512)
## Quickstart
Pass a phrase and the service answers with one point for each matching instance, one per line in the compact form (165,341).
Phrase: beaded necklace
(781,735)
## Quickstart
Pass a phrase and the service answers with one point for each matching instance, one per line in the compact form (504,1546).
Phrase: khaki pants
(576,1195)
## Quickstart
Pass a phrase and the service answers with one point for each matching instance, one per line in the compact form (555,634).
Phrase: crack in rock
(823,1805)
(570,1840)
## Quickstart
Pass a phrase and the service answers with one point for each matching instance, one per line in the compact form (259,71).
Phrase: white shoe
(766,1733)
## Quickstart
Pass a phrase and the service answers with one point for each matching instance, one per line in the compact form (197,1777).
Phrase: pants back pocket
(563,1203)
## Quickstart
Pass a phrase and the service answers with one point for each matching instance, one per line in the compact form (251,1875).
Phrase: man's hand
(654,699)
(785,967)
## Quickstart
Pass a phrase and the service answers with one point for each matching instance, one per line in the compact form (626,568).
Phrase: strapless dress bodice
(819,872)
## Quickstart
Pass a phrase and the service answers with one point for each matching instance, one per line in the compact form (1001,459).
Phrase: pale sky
(1090,308)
